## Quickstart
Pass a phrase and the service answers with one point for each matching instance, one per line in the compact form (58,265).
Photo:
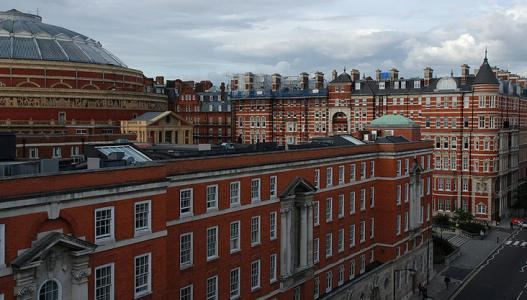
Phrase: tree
(442,220)
(462,217)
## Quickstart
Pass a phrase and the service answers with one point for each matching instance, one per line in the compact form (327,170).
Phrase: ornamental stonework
(72,102)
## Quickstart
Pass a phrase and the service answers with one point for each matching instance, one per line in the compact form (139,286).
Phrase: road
(501,277)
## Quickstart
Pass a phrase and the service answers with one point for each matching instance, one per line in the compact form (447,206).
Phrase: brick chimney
(160,80)
(378,75)
(334,75)
(319,80)
(276,81)
(355,75)
(465,70)
(249,81)
(428,74)
(304,80)
(394,74)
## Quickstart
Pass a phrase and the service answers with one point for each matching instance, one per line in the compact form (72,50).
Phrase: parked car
(524,224)
(518,221)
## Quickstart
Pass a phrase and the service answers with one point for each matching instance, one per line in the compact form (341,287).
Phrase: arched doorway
(339,123)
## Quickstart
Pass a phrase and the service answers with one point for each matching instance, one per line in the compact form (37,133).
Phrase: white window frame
(255,193)
(255,275)
(316,250)
(342,173)
(236,238)
(213,296)
(236,195)
(329,176)
(258,240)
(111,235)
(211,202)
(363,199)
(329,281)
(149,276)
(234,293)
(372,197)
(352,235)
(316,213)
(362,232)
(214,243)
(272,268)
(191,203)
(148,227)
(329,245)
(372,228)
(316,179)
(341,206)
(340,240)
(112,280)
(186,264)
(353,173)
(273,187)
(352,269)
(329,210)
(352,203)
(272,225)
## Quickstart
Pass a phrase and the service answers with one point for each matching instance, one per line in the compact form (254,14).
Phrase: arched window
(49,290)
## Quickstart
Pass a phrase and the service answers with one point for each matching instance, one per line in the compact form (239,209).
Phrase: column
(288,233)
(303,236)
(80,272)
(310,234)
(283,243)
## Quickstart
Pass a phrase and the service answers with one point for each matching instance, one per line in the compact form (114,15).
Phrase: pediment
(298,186)
(37,253)
(416,168)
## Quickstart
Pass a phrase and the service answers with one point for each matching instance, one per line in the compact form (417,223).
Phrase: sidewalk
(473,253)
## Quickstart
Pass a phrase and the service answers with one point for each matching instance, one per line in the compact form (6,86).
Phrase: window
(234,283)
(185,202)
(352,172)
(329,281)
(104,287)
(398,168)
(255,230)
(235,193)
(398,225)
(341,175)
(316,250)
(142,216)
(272,187)
(352,235)
(212,288)
(329,210)
(352,203)
(329,176)
(185,250)
(406,192)
(372,228)
(316,213)
(329,244)
(481,208)
(362,170)
(362,232)
(406,221)
(352,269)
(57,152)
(234,236)
(104,224)
(340,245)
(398,197)
(33,152)
(255,275)
(49,290)
(341,206)
(341,275)
(481,123)
(142,275)
(362,199)
(212,243)
(316,180)
(272,268)
(316,287)
(372,168)
(372,197)
(255,189)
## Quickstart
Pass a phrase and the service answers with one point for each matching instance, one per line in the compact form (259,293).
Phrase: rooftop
(394,121)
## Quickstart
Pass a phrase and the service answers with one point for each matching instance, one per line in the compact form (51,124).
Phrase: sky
(206,39)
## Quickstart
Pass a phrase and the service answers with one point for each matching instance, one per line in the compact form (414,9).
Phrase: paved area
(473,253)
(457,240)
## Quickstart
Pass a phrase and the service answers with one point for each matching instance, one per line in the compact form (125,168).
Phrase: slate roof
(147,116)
(24,36)
(342,78)
(485,74)
(391,140)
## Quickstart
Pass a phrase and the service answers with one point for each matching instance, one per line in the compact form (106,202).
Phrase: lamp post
(395,271)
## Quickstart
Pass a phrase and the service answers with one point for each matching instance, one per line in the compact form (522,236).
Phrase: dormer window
(403,84)
(417,84)
(396,85)
(357,86)
(381,85)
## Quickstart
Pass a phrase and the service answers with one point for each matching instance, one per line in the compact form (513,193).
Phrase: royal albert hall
(60,90)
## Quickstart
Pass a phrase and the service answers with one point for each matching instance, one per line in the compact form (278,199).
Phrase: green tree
(462,217)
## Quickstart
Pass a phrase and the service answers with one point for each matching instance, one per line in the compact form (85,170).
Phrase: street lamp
(395,271)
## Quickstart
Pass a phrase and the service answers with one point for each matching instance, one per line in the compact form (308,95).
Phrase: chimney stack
(160,80)
(394,74)
(465,70)
(428,74)
(249,81)
(319,80)
(334,75)
(378,75)
(355,75)
(304,81)
(276,80)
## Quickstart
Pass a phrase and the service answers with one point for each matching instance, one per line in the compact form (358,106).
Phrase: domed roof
(24,36)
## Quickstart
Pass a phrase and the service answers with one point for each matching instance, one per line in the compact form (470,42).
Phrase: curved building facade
(54,81)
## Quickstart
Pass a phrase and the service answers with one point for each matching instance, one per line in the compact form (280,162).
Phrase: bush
(442,221)
(472,227)
(461,216)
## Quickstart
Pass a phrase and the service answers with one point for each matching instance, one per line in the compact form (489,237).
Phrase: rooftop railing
(278,94)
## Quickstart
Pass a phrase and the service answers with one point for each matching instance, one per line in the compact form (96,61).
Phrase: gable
(298,186)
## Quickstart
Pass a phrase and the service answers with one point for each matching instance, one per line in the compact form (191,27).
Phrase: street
(503,275)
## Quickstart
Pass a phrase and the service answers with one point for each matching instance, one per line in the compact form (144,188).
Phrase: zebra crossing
(516,243)
(457,240)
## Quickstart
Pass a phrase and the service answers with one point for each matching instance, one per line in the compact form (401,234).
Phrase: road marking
(519,295)
(516,243)
(525,286)
(523,244)
(508,242)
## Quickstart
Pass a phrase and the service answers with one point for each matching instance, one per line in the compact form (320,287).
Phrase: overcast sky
(205,39)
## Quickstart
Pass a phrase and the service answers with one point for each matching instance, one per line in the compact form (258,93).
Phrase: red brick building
(478,123)
(65,86)
(306,223)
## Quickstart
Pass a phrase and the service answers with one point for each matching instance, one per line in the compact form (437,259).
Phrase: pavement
(474,253)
